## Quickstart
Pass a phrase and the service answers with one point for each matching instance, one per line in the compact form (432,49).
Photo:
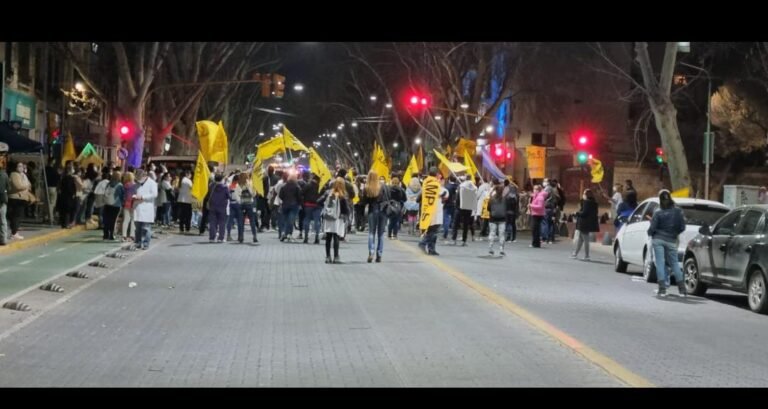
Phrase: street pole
(708,139)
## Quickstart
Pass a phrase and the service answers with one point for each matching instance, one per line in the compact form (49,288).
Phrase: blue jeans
(665,254)
(143,234)
(288,215)
(166,215)
(235,216)
(312,215)
(376,223)
(394,225)
(429,242)
(447,217)
(246,210)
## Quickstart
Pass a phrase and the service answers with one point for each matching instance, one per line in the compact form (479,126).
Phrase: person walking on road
(537,210)
(666,225)
(587,223)
(497,213)
(335,214)
(375,195)
(312,210)
(467,200)
(185,202)
(290,201)
(144,208)
(245,191)
(513,209)
(397,194)
(218,207)
(435,205)
(412,194)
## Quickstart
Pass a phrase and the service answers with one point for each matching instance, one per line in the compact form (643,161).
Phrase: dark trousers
(360,217)
(203,221)
(15,213)
(265,213)
(247,211)
(332,237)
(511,229)
(394,225)
(235,215)
(430,239)
(185,216)
(536,230)
(312,215)
(65,217)
(110,220)
(217,223)
(302,214)
(465,219)
(448,213)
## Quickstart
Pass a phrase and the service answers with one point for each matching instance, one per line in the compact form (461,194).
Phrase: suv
(732,254)
(632,243)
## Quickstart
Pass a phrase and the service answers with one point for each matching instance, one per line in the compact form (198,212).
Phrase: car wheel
(619,264)
(756,293)
(692,278)
(649,269)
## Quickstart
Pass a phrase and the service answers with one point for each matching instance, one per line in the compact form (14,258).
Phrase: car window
(637,215)
(727,224)
(749,223)
(702,215)
(648,214)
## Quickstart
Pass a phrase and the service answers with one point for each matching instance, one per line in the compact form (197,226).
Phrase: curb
(23,244)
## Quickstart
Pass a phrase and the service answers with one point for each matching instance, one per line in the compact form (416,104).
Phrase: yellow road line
(18,245)
(609,365)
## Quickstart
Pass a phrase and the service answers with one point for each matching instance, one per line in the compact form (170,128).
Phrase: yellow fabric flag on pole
(319,168)
(257,177)
(597,171)
(206,131)
(470,164)
(684,192)
(429,192)
(69,153)
(453,167)
(412,168)
(270,148)
(201,178)
(220,147)
(293,143)
(466,145)
(537,161)
(420,159)
(380,162)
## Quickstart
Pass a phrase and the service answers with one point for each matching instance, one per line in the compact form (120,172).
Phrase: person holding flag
(432,197)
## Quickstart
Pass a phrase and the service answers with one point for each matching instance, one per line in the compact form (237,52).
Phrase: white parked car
(633,246)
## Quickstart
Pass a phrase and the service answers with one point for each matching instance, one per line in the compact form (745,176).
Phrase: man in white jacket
(467,206)
(144,208)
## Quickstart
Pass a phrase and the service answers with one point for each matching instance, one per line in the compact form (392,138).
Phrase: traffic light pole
(708,138)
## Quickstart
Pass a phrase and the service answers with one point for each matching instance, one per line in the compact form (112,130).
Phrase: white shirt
(185,191)
(482,191)
(616,201)
(467,191)
(144,209)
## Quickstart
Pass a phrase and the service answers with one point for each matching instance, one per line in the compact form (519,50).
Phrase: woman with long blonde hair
(334,214)
(375,196)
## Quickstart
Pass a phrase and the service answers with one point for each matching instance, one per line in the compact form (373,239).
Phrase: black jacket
(397,193)
(375,203)
(587,215)
(290,194)
(310,193)
(4,187)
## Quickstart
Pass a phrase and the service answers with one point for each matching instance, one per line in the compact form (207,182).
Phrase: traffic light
(582,158)
(279,83)
(582,139)
(417,101)
(125,130)
(660,159)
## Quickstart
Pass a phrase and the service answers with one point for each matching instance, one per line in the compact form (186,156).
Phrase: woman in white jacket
(482,193)
(144,208)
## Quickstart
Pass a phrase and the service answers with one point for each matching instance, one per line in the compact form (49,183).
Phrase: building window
(540,139)
(25,74)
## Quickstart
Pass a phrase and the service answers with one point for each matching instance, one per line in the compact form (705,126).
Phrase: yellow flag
(597,171)
(684,192)
(220,147)
(429,197)
(201,178)
(206,131)
(270,148)
(69,150)
(412,168)
(465,145)
(293,143)
(420,159)
(454,167)
(319,168)
(257,177)
(470,164)
(380,162)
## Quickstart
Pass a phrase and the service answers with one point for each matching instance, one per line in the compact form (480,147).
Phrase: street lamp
(388,105)
(489,129)
(418,141)
(373,98)
(298,88)
(438,117)
(395,145)
(464,106)
(354,124)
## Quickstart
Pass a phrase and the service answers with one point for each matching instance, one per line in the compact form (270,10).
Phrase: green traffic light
(582,157)
(659,159)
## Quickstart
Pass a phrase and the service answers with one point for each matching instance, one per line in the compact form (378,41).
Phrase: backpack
(246,196)
(497,208)
(99,193)
(109,196)
(552,199)
(331,208)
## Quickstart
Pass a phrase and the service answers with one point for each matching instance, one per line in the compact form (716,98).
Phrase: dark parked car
(732,254)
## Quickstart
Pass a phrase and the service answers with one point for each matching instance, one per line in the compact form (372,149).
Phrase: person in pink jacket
(537,211)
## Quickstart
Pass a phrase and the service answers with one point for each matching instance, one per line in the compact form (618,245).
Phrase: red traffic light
(124,130)
(414,100)
(418,101)
(582,139)
(660,151)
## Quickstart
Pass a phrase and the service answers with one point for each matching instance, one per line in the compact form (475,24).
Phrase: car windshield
(700,215)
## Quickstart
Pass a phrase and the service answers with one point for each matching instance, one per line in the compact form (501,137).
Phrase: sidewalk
(37,234)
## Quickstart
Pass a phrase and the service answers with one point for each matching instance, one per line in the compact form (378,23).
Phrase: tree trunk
(666,123)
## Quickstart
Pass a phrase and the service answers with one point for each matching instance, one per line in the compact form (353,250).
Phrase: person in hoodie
(218,207)
(312,210)
(113,202)
(587,223)
(290,200)
(397,194)
(666,225)
(374,196)
(245,192)
(537,210)
(497,217)
(513,208)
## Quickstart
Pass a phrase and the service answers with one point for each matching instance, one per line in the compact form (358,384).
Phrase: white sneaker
(17,236)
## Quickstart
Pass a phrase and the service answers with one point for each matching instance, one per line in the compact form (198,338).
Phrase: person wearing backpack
(395,208)
(114,195)
(375,197)
(312,210)
(497,217)
(334,214)
(550,206)
(244,191)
